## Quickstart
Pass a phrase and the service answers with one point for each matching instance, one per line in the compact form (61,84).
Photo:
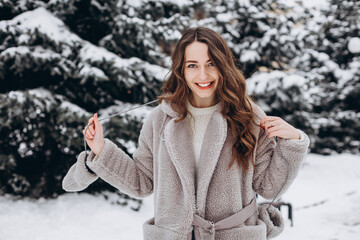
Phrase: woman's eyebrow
(193,61)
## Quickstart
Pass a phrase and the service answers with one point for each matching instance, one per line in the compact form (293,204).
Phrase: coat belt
(229,222)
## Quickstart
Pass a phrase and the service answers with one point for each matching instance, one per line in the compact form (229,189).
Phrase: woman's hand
(275,126)
(94,135)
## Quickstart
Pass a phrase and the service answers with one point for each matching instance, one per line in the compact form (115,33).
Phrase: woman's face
(201,75)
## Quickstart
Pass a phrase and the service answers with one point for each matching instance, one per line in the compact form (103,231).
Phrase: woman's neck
(202,103)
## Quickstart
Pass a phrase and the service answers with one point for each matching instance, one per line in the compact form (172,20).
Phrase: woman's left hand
(275,126)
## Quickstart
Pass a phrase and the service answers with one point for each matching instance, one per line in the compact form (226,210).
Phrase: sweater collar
(195,111)
(167,108)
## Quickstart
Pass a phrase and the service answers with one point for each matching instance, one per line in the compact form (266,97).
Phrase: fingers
(91,120)
(90,131)
(274,128)
(277,127)
(268,119)
(275,133)
(96,121)
(271,124)
(90,128)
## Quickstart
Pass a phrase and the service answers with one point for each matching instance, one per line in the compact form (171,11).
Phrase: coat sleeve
(79,177)
(277,163)
(132,176)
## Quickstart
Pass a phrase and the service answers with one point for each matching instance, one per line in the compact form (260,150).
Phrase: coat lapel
(178,141)
(213,143)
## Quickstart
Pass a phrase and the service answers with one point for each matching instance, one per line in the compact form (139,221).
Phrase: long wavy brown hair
(231,91)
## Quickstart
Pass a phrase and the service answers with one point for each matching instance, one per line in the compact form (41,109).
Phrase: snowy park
(61,61)
(325,198)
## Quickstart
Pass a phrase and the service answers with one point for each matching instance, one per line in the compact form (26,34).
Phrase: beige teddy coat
(164,164)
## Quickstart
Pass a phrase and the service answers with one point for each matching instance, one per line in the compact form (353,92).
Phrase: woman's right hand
(94,135)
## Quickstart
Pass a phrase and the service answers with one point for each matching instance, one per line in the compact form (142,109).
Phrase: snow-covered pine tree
(316,91)
(35,54)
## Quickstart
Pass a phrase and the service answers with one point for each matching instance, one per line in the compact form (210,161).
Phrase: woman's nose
(203,74)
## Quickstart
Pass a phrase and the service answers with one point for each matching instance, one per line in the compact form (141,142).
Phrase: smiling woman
(188,145)
(201,75)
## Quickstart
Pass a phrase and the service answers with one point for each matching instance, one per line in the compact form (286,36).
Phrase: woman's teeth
(204,85)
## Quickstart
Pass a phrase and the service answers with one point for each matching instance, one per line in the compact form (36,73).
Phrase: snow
(293,80)
(344,75)
(41,93)
(244,3)
(92,54)
(249,56)
(325,197)
(139,113)
(89,71)
(319,4)
(71,216)
(44,22)
(354,45)
(70,108)
(73,109)
(55,30)
(36,53)
(139,3)
(156,71)
(18,95)
(129,145)
(133,3)
(224,17)
(22,149)
(171,35)
(261,82)
(180,3)
(13,51)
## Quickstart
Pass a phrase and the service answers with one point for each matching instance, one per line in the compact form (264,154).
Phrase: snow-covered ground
(325,197)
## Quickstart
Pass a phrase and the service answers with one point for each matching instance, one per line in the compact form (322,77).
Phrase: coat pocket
(154,232)
(273,220)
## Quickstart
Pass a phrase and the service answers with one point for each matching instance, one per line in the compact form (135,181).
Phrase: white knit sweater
(199,120)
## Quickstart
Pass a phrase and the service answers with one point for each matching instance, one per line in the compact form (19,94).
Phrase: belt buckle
(212,229)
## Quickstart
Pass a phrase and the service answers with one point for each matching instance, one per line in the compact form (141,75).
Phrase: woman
(204,152)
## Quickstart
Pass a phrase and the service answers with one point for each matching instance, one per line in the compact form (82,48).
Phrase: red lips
(204,88)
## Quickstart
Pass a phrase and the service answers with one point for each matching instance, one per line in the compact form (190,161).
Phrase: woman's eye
(191,66)
(211,64)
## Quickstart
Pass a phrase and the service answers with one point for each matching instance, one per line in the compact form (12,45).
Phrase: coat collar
(177,136)
(178,141)
(214,140)
(166,108)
